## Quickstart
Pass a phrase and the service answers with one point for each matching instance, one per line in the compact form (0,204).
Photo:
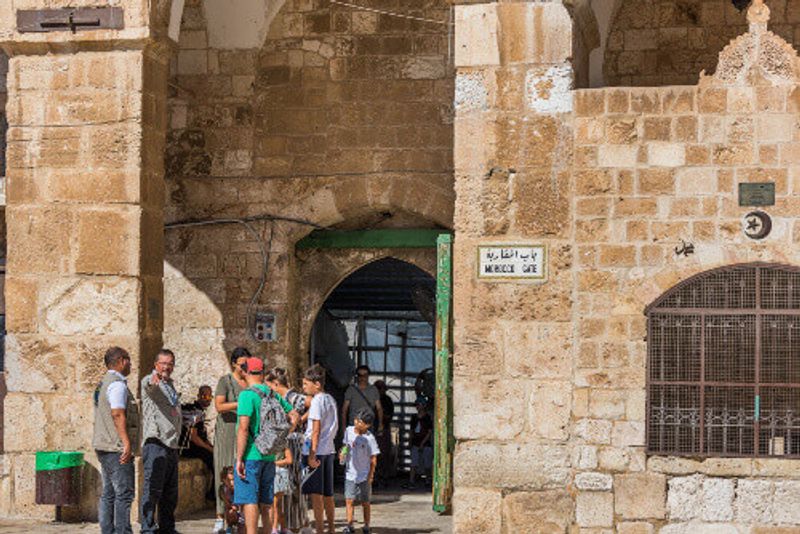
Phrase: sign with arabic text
(512,262)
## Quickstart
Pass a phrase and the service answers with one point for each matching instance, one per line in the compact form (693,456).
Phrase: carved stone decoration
(757,54)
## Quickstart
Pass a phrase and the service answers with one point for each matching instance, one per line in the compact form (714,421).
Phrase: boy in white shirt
(318,449)
(360,452)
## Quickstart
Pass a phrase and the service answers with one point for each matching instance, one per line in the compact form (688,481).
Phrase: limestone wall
(549,393)
(654,167)
(343,118)
(669,42)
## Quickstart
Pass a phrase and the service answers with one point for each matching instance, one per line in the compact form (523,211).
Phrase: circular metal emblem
(757,225)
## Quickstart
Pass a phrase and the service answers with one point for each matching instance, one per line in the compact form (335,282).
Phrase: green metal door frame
(443,431)
(443,242)
(386,238)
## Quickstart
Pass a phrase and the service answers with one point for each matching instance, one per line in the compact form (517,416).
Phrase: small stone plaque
(761,194)
(512,262)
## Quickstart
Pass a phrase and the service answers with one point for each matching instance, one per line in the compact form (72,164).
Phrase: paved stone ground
(392,513)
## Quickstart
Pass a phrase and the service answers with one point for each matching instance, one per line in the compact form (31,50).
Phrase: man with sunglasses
(362,396)
(194,436)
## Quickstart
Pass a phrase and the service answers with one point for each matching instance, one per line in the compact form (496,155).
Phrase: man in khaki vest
(161,430)
(115,440)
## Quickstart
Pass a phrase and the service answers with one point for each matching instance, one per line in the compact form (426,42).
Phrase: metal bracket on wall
(74,20)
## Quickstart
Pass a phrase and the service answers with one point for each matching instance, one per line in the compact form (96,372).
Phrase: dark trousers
(114,509)
(160,487)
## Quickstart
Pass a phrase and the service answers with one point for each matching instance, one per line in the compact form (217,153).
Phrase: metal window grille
(723,375)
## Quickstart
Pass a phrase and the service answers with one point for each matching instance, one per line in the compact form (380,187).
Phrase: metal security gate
(724,364)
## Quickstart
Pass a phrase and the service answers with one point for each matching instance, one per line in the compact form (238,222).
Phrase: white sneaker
(219,526)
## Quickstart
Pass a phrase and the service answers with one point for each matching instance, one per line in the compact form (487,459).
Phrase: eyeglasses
(363,375)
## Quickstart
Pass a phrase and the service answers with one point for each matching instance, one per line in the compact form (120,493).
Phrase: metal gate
(724,364)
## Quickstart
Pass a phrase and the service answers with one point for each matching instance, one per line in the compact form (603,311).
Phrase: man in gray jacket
(161,429)
(116,440)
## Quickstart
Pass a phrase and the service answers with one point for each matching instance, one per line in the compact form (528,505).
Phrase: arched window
(723,364)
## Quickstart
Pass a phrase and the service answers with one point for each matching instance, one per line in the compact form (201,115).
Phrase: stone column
(513,341)
(87,117)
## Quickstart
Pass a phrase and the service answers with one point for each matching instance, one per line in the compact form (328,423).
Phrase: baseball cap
(255,366)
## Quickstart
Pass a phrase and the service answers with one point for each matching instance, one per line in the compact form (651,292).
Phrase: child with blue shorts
(360,454)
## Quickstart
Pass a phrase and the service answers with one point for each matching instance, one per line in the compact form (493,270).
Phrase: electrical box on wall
(264,327)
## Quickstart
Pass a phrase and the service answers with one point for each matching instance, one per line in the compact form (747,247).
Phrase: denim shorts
(256,488)
(358,492)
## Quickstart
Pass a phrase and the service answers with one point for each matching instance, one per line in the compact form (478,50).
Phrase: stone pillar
(513,341)
(87,117)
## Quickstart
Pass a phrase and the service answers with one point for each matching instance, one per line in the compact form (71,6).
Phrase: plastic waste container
(58,478)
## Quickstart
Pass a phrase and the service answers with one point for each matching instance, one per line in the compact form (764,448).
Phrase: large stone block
(786,503)
(476,35)
(545,466)
(549,409)
(476,510)
(108,241)
(536,349)
(39,364)
(685,498)
(97,305)
(718,494)
(21,304)
(594,509)
(546,512)
(39,239)
(640,496)
(503,402)
(754,501)
(24,422)
(534,33)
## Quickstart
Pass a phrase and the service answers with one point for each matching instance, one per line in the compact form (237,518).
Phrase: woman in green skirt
(225,401)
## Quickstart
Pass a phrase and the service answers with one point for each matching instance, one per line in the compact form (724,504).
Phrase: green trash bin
(58,478)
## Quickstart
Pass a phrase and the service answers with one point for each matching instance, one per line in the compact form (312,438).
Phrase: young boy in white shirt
(360,453)
(318,449)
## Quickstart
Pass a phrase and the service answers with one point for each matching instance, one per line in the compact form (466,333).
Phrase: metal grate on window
(724,364)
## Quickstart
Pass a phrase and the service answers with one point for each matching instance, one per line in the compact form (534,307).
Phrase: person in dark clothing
(194,436)
(421,444)
(386,458)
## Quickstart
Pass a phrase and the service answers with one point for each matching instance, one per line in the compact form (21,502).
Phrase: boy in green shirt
(256,472)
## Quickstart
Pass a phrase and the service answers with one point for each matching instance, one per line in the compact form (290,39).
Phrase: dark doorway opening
(383,316)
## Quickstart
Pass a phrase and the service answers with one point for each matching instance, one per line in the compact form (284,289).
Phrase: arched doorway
(383,316)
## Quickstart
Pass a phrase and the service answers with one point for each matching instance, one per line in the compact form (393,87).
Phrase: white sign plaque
(512,262)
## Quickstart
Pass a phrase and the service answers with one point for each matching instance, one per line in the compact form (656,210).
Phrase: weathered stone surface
(640,496)
(549,512)
(684,500)
(595,509)
(635,527)
(476,510)
(546,466)
(549,409)
(476,40)
(718,495)
(785,508)
(754,501)
(90,306)
(507,399)
(594,481)
(537,350)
